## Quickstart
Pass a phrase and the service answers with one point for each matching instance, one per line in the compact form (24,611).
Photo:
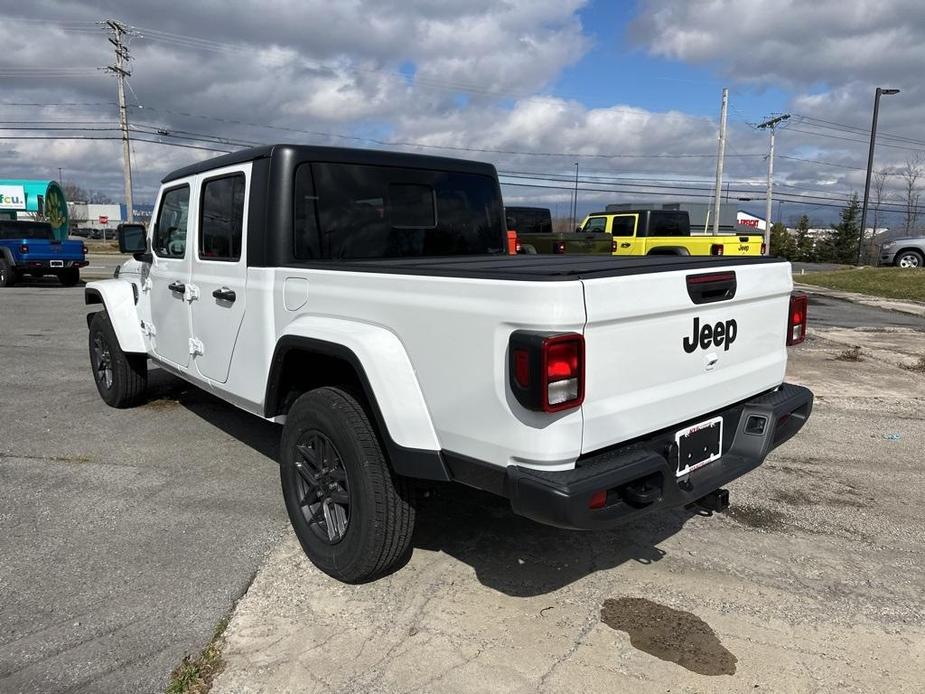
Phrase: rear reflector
(23,248)
(547,371)
(764,249)
(558,247)
(522,368)
(716,249)
(598,499)
(796,321)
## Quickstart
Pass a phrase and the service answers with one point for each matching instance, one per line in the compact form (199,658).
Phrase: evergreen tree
(782,243)
(806,245)
(841,244)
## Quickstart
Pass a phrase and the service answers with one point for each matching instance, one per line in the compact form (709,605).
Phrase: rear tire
(909,259)
(120,378)
(351,513)
(7,274)
(69,277)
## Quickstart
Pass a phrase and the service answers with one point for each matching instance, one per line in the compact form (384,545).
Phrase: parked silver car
(905,252)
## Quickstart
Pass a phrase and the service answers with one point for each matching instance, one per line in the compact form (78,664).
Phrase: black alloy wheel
(323,487)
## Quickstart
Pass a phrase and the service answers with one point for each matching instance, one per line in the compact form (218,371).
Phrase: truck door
(623,229)
(219,269)
(169,276)
(591,238)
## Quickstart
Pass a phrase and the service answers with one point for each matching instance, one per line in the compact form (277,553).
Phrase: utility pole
(770,125)
(718,189)
(870,164)
(575,203)
(121,70)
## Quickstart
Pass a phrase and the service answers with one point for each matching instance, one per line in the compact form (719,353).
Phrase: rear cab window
(16,230)
(354,211)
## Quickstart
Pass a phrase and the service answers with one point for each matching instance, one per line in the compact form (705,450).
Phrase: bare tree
(879,197)
(73,192)
(910,174)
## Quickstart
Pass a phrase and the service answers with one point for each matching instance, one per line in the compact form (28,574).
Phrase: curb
(915,308)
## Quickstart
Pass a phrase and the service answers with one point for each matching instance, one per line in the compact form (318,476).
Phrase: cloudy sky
(629,90)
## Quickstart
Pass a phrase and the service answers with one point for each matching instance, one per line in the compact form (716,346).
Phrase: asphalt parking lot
(127,535)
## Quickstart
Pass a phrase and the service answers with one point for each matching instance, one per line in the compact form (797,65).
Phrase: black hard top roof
(633,210)
(344,155)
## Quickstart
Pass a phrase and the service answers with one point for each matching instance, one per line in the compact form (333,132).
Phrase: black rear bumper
(640,476)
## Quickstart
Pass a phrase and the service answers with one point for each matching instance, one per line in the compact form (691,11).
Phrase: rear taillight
(558,247)
(613,246)
(764,249)
(796,321)
(512,245)
(84,249)
(24,248)
(547,372)
(716,249)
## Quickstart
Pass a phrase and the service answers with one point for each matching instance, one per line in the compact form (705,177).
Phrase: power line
(112,138)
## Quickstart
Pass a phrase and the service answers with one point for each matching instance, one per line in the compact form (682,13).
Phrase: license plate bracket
(699,445)
(56,263)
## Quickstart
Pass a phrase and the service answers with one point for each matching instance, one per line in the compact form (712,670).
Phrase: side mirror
(133,238)
(577,230)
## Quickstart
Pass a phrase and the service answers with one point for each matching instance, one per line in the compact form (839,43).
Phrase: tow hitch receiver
(716,501)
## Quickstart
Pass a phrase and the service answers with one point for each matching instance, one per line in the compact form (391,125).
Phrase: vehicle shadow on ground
(521,558)
(509,553)
(166,390)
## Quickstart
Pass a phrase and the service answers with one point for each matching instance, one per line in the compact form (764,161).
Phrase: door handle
(178,287)
(225,294)
(625,245)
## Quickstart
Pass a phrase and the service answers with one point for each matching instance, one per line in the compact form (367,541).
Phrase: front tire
(909,259)
(351,513)
(69,277)
(7,274)
(120,378)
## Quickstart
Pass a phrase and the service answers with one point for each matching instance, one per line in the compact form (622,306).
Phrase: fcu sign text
(12,198)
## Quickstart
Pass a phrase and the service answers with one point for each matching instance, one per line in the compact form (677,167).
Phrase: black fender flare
(409,462)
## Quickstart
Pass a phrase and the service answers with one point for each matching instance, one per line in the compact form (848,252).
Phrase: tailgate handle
(711,287)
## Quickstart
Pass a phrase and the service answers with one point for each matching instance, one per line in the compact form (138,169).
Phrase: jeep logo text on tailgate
(719,334)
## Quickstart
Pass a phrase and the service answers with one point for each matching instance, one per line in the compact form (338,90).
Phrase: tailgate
(44,250)
(742,245)
(641,376)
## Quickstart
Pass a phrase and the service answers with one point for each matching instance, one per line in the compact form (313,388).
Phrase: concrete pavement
(812,581)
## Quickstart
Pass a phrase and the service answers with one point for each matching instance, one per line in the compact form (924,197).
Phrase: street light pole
(870,164)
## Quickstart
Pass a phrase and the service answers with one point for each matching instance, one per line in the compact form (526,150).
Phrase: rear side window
(668,224)
(624,225)
(169,238)
(345,211)
(221,218)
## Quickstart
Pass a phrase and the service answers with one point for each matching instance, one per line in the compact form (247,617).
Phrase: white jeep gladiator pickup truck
(364,300)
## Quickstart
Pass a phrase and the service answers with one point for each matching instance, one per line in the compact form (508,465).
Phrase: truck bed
(537,268)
